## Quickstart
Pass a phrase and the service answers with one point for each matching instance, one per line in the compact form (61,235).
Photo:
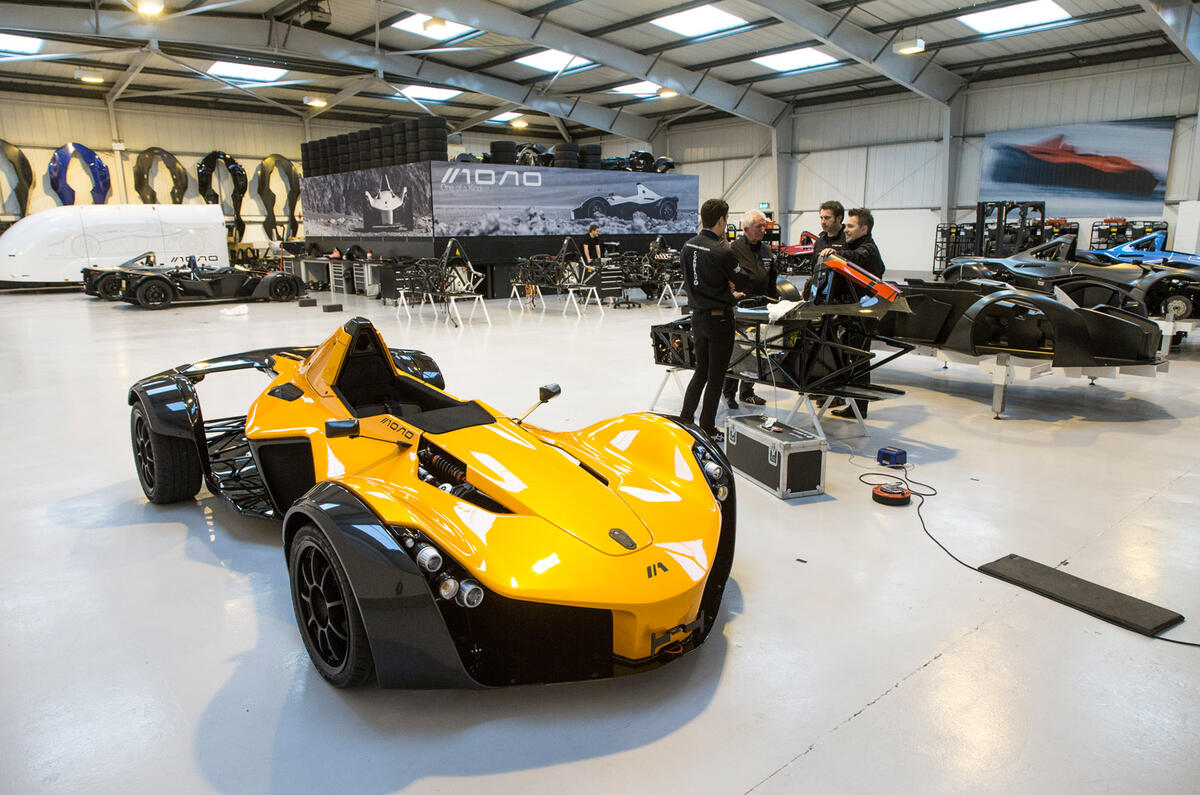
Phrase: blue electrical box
(891,457)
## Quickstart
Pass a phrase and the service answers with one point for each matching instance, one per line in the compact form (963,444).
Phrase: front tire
(595,207)
(109,287)
(667,210)
(167,466)
(154,294)
(326,611)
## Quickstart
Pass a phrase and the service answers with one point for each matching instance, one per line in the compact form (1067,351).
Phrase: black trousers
(714,344)
(732,388)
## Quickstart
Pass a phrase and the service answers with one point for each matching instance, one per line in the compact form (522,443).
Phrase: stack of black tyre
(431,137)
(566,155)
(589,156)
(504,152)
(412,142)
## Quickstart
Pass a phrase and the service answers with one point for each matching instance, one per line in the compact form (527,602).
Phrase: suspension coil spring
(447,468)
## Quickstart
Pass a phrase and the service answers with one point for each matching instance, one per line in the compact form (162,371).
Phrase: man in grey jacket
(757,261)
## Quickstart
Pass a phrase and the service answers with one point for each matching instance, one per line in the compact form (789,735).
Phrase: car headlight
(714,473)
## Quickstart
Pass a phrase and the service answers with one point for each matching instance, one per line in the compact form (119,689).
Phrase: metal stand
(669,291)
(531,291)
(402,303)
(672,372)
(589,294)
(815,414)
(1169,328)
(452,307)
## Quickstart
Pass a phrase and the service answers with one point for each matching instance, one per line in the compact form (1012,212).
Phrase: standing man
(833,235)
(710,277)
(593,246)
(758,263)
(860,249)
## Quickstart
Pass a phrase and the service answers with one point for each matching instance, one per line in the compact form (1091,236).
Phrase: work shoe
(753,400)
(715,435)
(731,402)
(848,413)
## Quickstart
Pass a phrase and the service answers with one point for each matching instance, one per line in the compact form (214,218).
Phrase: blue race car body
(1150,250)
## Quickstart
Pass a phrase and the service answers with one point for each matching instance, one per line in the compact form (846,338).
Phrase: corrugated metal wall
(884,153)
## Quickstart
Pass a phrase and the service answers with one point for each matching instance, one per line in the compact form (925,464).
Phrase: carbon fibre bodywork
(980,318)
(1142,288)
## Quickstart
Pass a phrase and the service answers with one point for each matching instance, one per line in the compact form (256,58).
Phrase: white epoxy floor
(153,649)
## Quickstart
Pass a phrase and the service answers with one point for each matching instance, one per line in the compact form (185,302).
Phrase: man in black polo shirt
(593,246)
(711,277)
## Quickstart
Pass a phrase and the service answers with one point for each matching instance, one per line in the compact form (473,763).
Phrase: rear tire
(167,466)
(283,289)
(154,294)
(326,611)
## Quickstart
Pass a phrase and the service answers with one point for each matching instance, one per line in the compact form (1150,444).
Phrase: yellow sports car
(434,542)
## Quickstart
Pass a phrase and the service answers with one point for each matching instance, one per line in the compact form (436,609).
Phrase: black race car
(105,281)
(1089,280)
(153,288)
(664,208)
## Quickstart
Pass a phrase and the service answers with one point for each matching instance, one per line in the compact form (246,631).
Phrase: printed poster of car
(1100,170)
(375,202)
(476,199)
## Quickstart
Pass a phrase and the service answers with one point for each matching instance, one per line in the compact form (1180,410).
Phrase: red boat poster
(1097,170)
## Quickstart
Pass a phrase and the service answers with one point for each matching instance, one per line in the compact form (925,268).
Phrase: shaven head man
(754,226)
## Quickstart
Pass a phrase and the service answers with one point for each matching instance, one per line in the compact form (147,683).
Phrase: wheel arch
(410,643)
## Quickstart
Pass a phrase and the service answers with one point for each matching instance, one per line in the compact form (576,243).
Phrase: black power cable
(899,475)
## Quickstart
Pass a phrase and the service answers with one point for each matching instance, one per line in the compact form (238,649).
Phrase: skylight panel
(503,117)
(241,71)
(440,29)
(1023,15)
(794,59)
(642,89)
(430,93)
(553,60)
(698,21)
(25,45)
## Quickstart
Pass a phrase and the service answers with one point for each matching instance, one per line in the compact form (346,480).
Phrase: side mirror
(335,429)
(549,391)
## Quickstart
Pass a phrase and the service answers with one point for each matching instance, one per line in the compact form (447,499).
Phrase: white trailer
(51,247)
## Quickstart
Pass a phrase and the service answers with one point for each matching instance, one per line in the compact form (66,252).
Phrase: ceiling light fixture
(431,27)
(553,61)
(316,102)
(242,71)
(1023,15)
(667,93)
(698,21)
(791,60)
(150,7)
(507,116)
(429,93)
(25,45)
(909,46)
(88,76)
(520,124)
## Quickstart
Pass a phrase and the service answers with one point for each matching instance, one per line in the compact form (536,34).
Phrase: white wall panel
(904,175)
(758,185)
(1134,92)
(871,122)
(839,174)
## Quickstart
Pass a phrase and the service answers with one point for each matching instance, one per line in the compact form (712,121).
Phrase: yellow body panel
(555,546)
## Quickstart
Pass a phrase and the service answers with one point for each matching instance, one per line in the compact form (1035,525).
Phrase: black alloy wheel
(154,294)
(326,612)
(167,467)
(109,286)
(283,289)
(596,206)
(667,210)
